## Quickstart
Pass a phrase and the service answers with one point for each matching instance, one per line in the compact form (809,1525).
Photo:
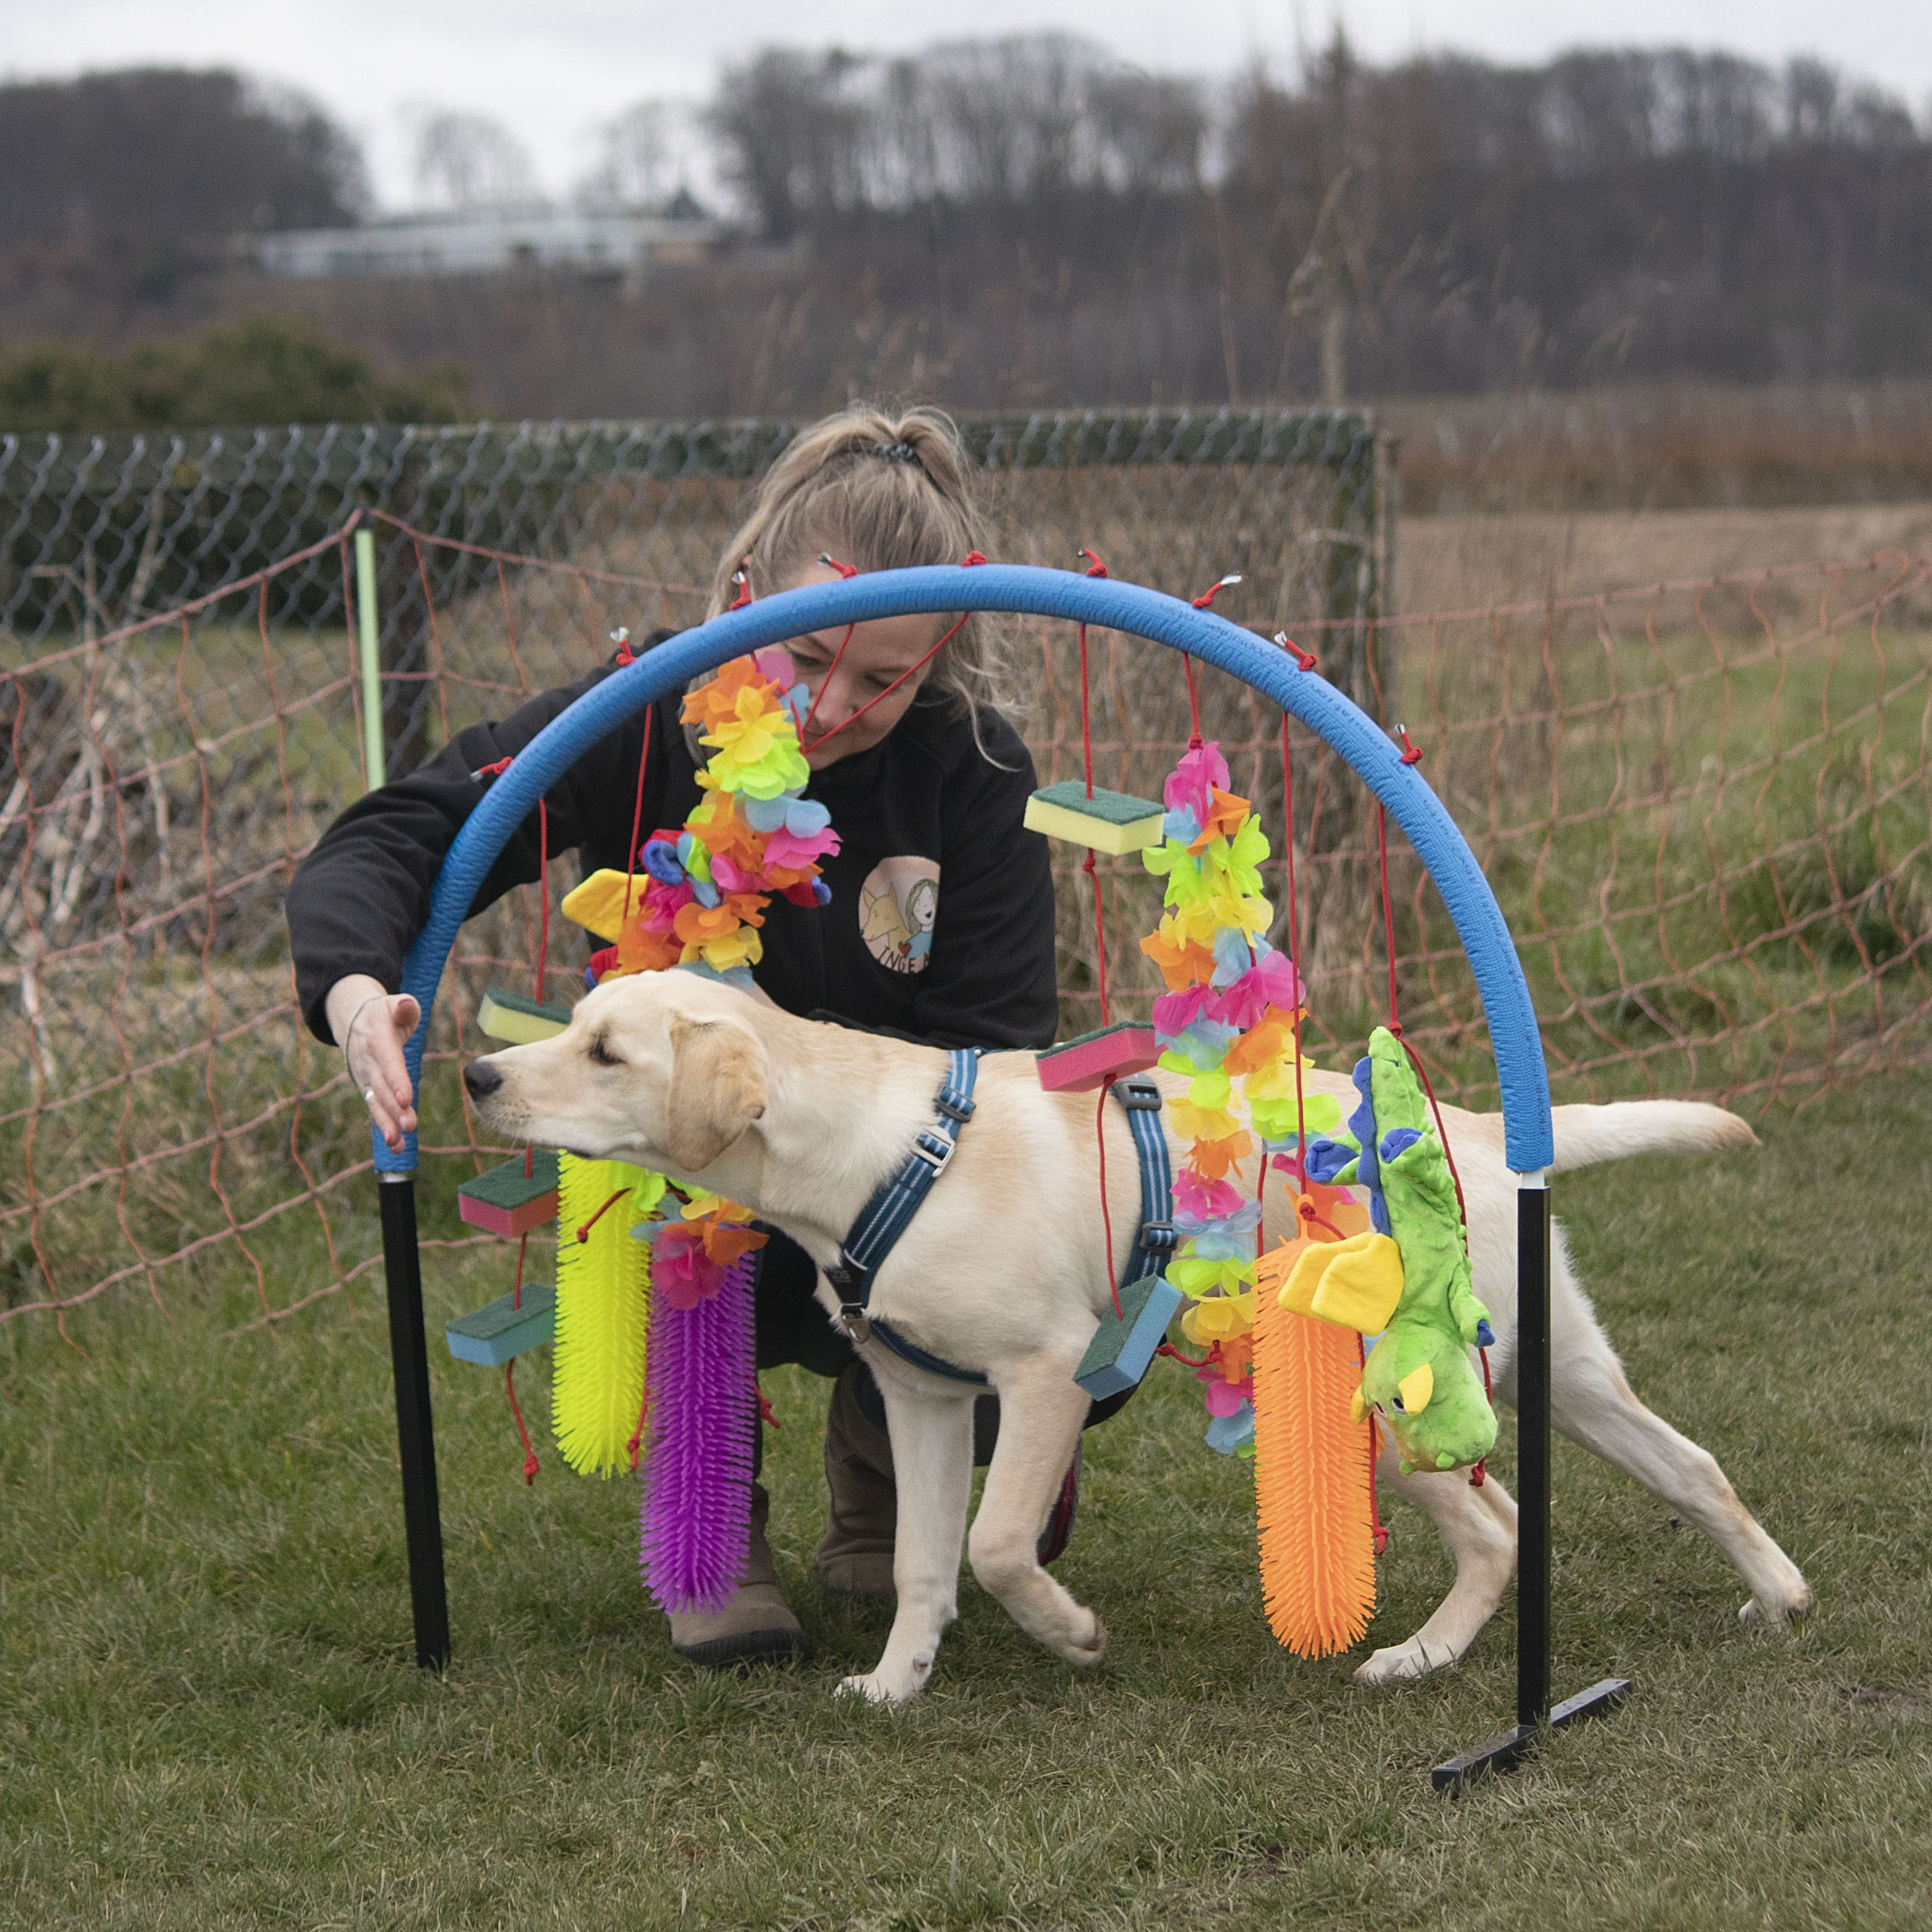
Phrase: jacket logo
(898,907)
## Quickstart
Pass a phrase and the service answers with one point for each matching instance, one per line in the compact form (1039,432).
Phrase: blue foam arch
(1354,735)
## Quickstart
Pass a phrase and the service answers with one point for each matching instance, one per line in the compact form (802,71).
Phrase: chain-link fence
(180,717)
(1705,806)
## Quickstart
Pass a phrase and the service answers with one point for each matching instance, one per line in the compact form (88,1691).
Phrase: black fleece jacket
(924,804)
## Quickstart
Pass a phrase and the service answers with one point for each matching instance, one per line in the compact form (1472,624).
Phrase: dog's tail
(1586,1135)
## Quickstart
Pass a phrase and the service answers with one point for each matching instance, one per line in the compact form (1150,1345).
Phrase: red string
(583,1232)
(1379,1529)
(1086,722)
(1294,950)
(824,684)
(741,577)
(913,671)
(1388,913)
(1092,870)
(542,891)
(1304,660)
(637,1435)
(1107,1220)
(767,1414)
(637,812)
(1205,601)
(1167,1349)
(1193,705)
(509,1368)
(530,1463)
(1481,1469)
(1411,756)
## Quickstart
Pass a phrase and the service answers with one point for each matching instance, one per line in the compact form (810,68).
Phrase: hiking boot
(755,1626)
(856,1553)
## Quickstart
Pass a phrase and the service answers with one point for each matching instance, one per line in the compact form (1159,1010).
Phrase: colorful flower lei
(699,901)
(1229,1013)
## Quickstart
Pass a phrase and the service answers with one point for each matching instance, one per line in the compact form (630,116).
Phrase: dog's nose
(481,1078)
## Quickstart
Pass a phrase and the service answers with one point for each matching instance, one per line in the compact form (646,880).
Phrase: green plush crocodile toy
(1409,1277)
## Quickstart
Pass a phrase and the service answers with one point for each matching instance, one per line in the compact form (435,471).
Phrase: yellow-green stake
(375,765)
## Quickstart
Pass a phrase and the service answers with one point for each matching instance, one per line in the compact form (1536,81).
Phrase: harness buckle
(1140,1097)
(936,1150)
(1159,1236)
(856,1323)
(955,1105)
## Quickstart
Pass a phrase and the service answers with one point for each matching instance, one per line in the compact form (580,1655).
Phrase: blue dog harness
(889,1212)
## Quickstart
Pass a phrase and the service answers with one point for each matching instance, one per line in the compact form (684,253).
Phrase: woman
(940,927)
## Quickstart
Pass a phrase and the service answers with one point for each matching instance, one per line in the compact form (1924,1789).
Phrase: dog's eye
(600,1054)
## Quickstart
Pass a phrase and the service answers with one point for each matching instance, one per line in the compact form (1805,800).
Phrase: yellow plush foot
(598,904)
(1355,1284)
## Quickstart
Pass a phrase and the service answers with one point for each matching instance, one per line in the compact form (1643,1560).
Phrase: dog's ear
(717,1089)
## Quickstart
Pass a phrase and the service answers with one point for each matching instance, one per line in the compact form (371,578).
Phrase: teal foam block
(492,1335)
(1120,1352)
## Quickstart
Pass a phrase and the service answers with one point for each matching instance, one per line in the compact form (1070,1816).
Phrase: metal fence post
(375,765)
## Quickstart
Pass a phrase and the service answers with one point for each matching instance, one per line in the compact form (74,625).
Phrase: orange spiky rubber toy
(1313,1464)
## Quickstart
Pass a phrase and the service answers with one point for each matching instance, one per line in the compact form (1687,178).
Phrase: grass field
(207,1715)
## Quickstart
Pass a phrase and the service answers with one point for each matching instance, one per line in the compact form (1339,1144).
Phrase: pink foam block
(1078,1065)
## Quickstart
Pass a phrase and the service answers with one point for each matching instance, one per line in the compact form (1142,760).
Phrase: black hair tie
(897,452)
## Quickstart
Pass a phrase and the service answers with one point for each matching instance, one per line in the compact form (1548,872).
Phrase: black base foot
(1507,1751)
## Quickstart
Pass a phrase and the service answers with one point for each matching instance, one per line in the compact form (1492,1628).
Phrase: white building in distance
(492,241)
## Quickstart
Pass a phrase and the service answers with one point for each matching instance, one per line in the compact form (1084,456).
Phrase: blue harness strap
(889,1212)
(1141,1099)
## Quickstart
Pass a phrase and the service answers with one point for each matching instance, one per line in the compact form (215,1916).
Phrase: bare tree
(790,132)
(468,160)
(645,156)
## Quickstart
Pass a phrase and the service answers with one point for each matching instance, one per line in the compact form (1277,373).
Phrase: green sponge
(507,1202)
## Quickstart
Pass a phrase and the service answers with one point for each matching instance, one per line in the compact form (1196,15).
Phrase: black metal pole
(1533,1571)
(416,1437)
(1533,1710)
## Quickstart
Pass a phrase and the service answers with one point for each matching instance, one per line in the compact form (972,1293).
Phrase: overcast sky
(553,69)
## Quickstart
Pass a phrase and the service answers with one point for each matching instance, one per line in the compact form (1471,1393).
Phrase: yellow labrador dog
(801,1121)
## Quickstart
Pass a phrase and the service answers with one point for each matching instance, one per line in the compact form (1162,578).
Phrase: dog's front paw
(1086,1650)
(886,1685)
(1399,1663)
(1768,1612)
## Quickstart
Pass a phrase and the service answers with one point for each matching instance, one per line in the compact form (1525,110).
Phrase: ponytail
(880,491)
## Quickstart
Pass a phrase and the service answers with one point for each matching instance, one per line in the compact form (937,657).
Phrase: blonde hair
(880,490)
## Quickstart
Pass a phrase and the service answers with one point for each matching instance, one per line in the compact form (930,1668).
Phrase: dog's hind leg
(1478,1526)
(932,1461)
(1592,1404)
(1042,1409)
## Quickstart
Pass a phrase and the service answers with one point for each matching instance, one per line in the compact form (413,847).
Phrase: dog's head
(664,1070)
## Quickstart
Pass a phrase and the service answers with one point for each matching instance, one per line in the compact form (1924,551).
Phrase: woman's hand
(371,1025)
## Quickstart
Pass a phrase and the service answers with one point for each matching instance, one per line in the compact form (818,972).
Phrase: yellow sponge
(516,1019)
(1113,821)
